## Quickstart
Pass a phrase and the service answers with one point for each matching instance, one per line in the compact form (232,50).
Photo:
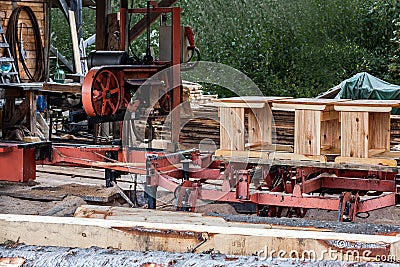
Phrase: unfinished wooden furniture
(365,127)
(232,120)
(317,129)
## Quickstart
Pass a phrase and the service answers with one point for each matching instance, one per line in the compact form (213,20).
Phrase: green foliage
(296,48)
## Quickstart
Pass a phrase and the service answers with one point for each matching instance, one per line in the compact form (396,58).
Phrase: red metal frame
(295,192)
(343,189)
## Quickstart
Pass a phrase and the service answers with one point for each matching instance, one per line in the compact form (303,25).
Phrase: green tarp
(365,86)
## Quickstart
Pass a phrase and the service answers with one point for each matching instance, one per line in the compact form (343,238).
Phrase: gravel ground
(94,257)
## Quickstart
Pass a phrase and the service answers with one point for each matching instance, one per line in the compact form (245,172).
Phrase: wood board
(233,239)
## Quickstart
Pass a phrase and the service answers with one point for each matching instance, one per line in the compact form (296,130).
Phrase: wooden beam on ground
(235,239)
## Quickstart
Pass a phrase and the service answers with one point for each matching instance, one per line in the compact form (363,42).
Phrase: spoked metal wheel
(101,93)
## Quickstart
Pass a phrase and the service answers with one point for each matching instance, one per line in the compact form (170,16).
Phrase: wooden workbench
(316,125)
(232,120)
(365,127)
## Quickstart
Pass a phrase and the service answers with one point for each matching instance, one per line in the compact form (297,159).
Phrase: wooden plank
(375,151)
(354,134)
(224,135)
(366,161)
(389,154)
(12,262)
(260,125)
(296,157)
(239,105)
(251,99)
(102,9)
(232,129)
(379,131)
(231,239)
(270,147)
(369,103)
(307,133)
(330,115)
(31,98)
(291,106)
(75,42)
(363,109)
(242,154)
(74,88)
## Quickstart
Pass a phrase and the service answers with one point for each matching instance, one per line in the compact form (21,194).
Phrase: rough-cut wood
(73,88)
(260,125)
(307,133)
(232,238)
(296,157)
(316,124)
(354,134)
(232,128)
(242,154)
(366,161)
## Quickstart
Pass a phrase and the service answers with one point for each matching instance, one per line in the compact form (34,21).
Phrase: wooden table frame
(365,127)
(232,120)
(316,125)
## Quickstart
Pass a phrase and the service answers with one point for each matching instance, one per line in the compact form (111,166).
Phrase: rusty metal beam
(140,27)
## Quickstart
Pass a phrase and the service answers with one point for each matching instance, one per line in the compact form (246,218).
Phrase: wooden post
(232,129)
(354,132)
(102,9)
(30,95)
(307,132)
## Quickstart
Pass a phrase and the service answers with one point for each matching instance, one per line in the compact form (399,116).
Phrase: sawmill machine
(117,83)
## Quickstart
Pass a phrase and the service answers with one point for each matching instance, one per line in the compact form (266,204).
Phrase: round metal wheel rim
(105,93)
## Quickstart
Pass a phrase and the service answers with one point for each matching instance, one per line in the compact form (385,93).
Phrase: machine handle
(190,36)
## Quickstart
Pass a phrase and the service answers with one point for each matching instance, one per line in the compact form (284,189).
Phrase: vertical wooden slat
(232,129)
(307,133)
(354,134)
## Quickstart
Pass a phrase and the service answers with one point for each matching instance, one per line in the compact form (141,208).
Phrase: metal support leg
(150,192)
(111,175)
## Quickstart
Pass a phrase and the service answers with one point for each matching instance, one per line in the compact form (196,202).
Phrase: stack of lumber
(394,130)
(203,125)
(196,96)
(283,130)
